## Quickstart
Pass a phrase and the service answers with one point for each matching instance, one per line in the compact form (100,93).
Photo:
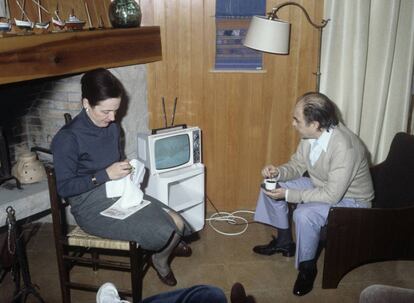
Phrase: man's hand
(277,194)
(118,170)
(270,171)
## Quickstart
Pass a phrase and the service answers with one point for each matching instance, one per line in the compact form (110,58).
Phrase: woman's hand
(118,170)
(270,171)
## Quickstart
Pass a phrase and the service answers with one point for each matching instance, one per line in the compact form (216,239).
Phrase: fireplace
(23,117)
(17,102)
(36,112)
(35,108)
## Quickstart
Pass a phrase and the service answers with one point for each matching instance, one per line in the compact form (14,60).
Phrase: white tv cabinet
(183,191)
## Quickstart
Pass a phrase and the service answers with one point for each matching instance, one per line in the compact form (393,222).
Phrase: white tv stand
(183,191)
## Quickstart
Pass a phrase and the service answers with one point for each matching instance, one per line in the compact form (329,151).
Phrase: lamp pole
(273,15)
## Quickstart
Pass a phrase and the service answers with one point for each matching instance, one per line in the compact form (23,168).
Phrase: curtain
(367,67)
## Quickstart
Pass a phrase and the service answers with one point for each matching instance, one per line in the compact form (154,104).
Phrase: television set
(176,177)
(169,149)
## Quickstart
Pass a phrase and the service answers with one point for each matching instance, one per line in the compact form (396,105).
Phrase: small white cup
(270,184)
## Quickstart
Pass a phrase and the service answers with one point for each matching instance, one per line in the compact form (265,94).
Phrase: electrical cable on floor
(230,218)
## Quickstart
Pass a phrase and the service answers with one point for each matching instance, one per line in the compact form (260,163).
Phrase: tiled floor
(218,260)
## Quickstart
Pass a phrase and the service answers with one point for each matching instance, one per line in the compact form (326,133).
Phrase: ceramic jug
(29,169)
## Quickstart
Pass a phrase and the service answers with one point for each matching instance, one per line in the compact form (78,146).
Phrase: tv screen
(172,151)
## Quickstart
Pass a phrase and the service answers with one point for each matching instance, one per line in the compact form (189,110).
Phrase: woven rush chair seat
(78,237)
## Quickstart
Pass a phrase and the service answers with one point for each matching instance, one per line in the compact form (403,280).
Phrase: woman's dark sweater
(81,150)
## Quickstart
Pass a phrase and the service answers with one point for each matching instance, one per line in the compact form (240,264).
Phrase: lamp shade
(268,35)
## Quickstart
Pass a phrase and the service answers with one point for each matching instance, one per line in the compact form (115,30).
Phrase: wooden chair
(76,247)
(385,232)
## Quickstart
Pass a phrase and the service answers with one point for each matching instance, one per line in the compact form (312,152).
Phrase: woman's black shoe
(287,250)
(169,279)
(182,250)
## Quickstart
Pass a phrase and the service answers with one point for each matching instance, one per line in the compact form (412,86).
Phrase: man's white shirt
(319,145)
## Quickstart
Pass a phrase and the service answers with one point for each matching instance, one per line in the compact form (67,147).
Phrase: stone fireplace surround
(41,117)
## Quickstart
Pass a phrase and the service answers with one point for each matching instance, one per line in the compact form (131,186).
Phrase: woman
(86,154)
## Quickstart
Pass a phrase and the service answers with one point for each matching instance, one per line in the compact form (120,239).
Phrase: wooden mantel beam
(39,56)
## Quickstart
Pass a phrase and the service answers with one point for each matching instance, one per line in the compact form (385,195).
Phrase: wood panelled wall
(245,117)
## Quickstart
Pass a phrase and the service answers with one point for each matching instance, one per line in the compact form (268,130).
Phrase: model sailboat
(5,24)
(73,23)
(56,21)
(41,24)
(23,23)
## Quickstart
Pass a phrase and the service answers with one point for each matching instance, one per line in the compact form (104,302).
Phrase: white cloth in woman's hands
(128,187)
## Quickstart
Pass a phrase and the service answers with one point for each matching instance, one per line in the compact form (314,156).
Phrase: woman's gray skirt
(151,227)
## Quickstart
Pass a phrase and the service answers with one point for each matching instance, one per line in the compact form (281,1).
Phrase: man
(336,162)
(108,293)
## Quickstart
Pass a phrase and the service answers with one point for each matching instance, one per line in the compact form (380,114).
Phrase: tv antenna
(165,113)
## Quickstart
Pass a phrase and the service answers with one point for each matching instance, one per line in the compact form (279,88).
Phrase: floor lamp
(271,34)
